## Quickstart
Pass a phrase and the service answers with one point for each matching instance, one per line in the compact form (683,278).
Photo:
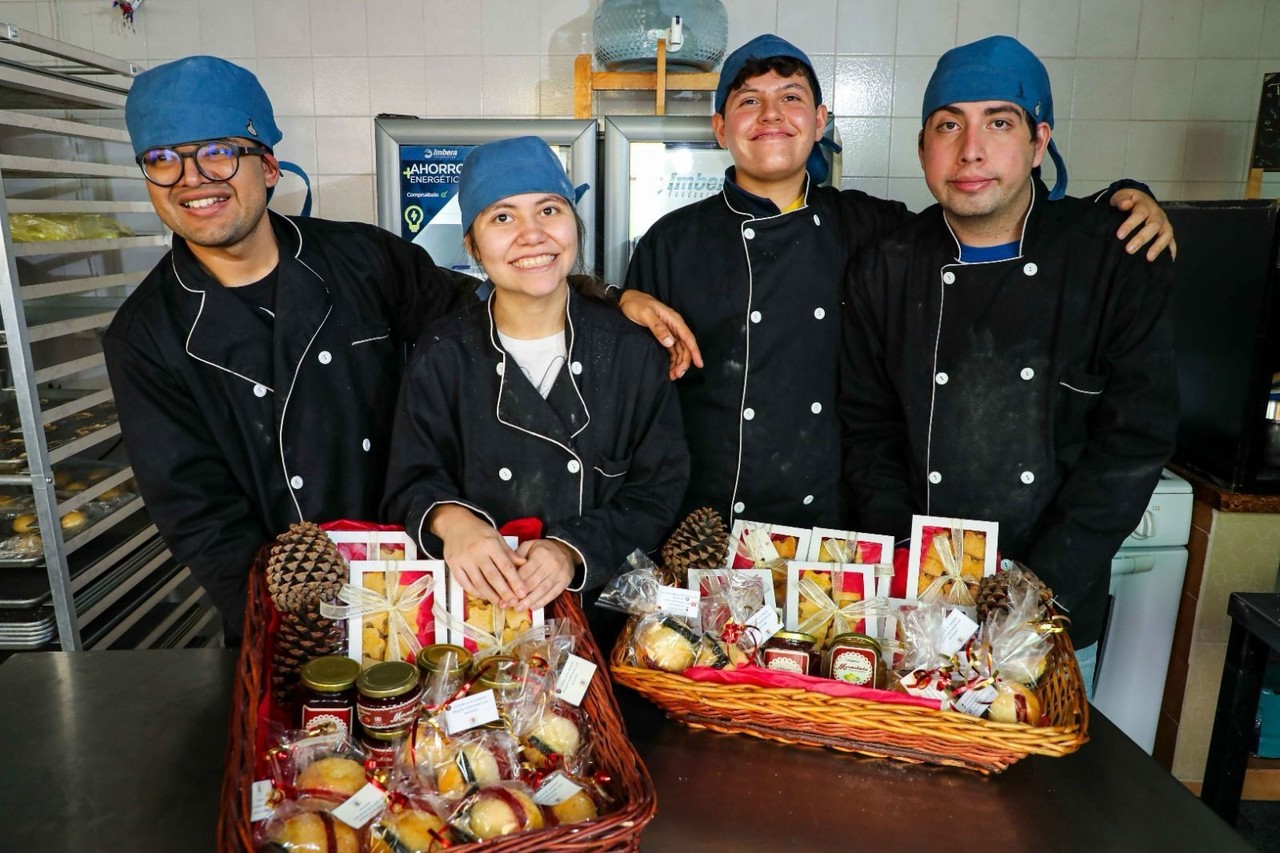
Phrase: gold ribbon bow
(951,552)
(490,642)
(362,602)
(845,617)
(755,545)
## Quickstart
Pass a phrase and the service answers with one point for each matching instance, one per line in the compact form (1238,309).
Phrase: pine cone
(700,542)
(304,563)
(301,636)
(993,590)
(303,569)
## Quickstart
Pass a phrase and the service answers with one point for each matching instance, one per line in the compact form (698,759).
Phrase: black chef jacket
(1038,392)
(601,461)
(236,429)
(762,292)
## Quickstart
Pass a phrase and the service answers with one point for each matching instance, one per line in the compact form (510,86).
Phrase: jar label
(319,716)
(382,753)
(854,666)
(385,718)
(787,660)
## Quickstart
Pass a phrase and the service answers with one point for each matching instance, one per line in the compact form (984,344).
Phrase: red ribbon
(732,632)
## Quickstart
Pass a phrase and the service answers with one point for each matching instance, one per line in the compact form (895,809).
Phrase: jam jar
(501,674)
(855,659)
(790,651)
(388,696)
(328,692)
(432,661)
(383,746)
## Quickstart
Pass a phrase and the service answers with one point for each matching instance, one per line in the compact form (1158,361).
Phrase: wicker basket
(629,785)
(900,732)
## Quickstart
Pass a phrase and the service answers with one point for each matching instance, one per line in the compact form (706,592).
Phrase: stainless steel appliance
(419,163)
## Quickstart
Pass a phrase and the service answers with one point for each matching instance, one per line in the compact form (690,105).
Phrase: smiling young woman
(544,401)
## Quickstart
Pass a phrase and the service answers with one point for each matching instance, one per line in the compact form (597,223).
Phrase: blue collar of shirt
(739,199)
(987,254)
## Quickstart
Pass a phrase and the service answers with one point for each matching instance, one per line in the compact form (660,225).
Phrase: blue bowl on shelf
(627,31)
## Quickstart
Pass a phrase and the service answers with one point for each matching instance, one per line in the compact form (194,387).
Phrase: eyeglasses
(216,161)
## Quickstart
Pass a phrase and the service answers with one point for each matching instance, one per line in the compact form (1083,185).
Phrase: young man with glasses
(256,368)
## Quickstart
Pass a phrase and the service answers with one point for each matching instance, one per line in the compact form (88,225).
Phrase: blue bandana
(498,170)
(769,46)
(998,68)
(200,98)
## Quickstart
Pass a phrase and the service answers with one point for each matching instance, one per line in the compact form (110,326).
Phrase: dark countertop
(1225,501)
(108,751)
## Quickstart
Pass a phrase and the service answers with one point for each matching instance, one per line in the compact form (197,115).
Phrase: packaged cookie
(949,557)
(482,626)
(390,608)
(826,600)
(754,545)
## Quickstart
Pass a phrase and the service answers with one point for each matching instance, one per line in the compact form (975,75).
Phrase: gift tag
(975,702)
(957,629)
(674,601)
(469,712)
(574,679)
(766,622)
(362,806)
(261,804)
(760,545)
(555,789)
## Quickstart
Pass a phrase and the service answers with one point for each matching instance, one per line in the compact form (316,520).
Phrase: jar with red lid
(388,696)
(793,652)
(328,693)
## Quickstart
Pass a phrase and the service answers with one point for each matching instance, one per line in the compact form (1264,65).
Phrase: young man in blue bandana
(757,273)
(255,369)
(1004,357)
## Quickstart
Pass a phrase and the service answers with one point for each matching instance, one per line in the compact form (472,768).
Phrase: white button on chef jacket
(573,466)
(576,367)
(755,316)
(808,499)
(296,482)
(366,444)
(325,356)
(504,474)
(739,507)
(948,277)
(259,390)
(819,313)
(749,233)
(1028,477)
(935,477)
(1027,373)
(748,414)
(1030,269)
(942,378)
(816,408)
(500,368)
(817,221)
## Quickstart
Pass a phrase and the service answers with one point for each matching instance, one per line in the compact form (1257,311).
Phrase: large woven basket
(900,732)
(630,785)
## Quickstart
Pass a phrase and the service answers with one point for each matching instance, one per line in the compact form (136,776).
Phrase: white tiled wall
(1161,90)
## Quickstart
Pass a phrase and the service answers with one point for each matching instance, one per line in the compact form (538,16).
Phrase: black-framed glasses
(218,160)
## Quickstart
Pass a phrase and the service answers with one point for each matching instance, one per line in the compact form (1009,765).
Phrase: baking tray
(13,448)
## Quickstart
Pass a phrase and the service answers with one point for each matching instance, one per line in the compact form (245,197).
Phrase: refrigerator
(1227,326)
(419,162)
(656,164)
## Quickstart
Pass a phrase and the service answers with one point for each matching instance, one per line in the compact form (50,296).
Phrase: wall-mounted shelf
(586,82)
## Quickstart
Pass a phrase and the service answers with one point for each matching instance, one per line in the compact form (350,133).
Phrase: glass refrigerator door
(419,163)
(653,165)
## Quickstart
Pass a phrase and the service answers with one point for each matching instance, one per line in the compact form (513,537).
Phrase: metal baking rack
(65,161)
